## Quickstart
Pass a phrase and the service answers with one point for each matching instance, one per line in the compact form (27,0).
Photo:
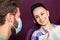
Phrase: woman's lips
(42,21)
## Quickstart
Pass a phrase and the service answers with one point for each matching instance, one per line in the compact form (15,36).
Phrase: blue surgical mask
(18,29)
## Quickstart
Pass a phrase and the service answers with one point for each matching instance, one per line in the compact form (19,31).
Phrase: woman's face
(41,15)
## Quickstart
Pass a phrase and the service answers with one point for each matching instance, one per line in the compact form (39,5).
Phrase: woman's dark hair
(32,9)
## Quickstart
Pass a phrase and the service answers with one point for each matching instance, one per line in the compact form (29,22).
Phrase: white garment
(53,34)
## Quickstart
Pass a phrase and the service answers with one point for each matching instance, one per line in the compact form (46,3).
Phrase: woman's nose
(40,17)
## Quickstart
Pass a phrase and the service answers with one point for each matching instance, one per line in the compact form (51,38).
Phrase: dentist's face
(15,21)
(16,17)
(41,15)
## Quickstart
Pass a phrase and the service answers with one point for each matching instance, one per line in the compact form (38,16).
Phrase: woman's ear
(48,13)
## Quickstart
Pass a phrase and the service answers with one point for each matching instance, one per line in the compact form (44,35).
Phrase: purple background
(25,7)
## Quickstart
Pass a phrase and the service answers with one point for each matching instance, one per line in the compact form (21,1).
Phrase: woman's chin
(43,24)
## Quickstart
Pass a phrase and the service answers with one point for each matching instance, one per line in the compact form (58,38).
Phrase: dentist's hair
(8,6)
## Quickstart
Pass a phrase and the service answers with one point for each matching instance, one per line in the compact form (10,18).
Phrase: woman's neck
(48,26)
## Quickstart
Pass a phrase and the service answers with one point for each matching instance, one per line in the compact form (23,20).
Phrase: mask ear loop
(12,24)
(13,29)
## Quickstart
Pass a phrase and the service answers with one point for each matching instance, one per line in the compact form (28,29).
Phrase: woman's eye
(42,13)
(36,17)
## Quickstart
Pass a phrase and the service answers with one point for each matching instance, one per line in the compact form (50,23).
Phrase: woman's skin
(42,17)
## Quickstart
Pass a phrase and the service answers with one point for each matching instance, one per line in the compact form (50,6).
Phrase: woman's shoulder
(57,27)
(54,25)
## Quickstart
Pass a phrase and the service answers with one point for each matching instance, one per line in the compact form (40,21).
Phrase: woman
(41,17)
